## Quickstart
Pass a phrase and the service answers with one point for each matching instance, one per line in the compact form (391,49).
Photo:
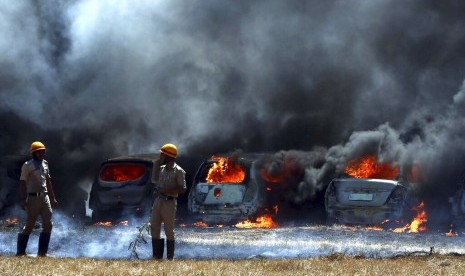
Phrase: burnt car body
(10,172)
(227,202)
(123,184)
(368,201)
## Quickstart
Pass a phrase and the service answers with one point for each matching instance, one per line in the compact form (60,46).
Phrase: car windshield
(122,172)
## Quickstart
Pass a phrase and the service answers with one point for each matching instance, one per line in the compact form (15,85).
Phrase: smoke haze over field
(334,79)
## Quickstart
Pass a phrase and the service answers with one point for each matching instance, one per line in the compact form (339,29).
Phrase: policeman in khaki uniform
(169,180)
(37,198)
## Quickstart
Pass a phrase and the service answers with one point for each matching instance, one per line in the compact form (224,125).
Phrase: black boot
(22,244)
(44,240)
(158,246)
(169,249)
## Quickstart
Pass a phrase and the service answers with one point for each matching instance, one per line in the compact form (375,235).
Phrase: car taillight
(122,172)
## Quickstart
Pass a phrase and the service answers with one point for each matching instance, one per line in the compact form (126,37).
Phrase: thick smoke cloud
(333,79)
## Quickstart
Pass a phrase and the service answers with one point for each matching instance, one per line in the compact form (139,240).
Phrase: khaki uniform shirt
(171,178)
(35,173)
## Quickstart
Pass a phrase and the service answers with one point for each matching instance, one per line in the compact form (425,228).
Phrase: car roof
(137,157)
(366,180)
(241,156)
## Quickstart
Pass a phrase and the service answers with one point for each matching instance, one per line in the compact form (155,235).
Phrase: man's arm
(51,193)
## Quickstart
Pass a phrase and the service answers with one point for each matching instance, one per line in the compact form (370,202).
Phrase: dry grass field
(332,265)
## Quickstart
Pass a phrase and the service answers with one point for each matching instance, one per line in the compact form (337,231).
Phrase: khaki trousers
(38,205)
(163,211)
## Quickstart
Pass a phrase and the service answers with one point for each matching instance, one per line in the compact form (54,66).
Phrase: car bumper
(222,215)
(372,215)
(127,197)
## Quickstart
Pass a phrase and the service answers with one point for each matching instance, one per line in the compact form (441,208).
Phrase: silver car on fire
(368,201)
(218,201)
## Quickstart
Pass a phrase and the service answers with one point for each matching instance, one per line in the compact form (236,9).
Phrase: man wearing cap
(170,181)
(37,198)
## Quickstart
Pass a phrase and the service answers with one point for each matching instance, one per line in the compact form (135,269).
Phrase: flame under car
(123,184)
(225,192)
(367,201)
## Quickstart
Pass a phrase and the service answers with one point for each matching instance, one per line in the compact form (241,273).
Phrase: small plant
(140,239)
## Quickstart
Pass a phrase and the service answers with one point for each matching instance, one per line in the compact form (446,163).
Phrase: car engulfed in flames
(123,184)
(227,190)
(371,194)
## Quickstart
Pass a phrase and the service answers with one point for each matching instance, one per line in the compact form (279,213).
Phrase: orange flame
(225,171)
(367,167)
(104,223)
(451,232)
(122,172)
(124,223)
(265,221)
(374,228)
(418,223)
(200,224)
(12,221)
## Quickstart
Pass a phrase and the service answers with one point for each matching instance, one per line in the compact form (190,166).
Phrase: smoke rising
(333,79)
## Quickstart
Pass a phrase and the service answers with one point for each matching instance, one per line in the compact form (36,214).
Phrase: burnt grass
(336,264)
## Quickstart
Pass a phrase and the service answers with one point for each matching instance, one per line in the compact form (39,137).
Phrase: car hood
(364,192)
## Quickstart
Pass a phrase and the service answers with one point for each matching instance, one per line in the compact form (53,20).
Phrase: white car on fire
(227,190)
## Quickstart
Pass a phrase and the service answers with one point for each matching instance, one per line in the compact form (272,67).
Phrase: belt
(36,194)
(167,197)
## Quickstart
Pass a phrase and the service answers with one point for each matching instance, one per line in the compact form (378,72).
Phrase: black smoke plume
(97,79)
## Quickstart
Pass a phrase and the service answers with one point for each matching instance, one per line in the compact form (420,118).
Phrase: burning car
(227,189)
(123,184)
(369,195)
(10,172)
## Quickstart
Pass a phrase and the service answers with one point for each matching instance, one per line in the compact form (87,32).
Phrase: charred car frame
(123,184)
(368,201)
(219,202)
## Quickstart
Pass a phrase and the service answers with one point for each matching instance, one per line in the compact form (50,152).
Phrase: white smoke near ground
(71,240)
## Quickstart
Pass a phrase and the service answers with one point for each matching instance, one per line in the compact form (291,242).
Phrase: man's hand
(23,204)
